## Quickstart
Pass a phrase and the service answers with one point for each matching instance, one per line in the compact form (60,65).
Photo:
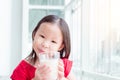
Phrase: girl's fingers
(61,66)
(44,69)
(60,74)
(60,69)
(60,62)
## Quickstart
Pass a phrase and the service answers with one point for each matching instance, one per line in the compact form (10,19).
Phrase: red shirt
(25,71)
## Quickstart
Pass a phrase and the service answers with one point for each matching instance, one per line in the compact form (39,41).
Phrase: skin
(48,38)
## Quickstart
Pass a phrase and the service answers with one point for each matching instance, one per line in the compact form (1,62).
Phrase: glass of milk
(50,59)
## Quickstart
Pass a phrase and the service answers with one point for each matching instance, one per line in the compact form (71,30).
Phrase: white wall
(10,35)
(115,16)
(16,32)
(5,22)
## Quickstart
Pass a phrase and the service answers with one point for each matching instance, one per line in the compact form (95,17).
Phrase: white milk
(54,68)
(53,64)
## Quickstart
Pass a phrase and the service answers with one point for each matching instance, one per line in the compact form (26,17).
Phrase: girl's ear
(61,47)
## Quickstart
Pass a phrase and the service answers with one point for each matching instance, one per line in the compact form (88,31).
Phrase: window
(100,40)
(47,2)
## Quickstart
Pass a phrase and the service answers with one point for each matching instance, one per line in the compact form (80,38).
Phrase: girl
(50,34)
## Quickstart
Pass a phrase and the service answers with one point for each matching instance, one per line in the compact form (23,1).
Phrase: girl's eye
(53,42)
(42,36)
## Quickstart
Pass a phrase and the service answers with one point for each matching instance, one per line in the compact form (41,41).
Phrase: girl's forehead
(50,28)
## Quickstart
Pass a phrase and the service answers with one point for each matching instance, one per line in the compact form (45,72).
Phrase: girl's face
(48,38)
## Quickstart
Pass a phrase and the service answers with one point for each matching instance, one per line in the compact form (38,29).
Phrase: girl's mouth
(41,51)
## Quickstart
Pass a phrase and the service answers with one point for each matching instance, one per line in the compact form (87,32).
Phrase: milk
(52,63)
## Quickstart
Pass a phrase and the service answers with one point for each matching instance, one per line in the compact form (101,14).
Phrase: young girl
(50,34)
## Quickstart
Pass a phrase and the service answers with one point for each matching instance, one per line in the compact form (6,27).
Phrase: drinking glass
(50,59)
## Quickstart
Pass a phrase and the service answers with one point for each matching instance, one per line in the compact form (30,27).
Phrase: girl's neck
(36,63)
(32,63)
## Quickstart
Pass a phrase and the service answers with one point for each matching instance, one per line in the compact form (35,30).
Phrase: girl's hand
(60,70)
(42,73)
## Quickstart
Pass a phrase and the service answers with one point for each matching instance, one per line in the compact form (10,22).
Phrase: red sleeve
(67,66)
(24,71)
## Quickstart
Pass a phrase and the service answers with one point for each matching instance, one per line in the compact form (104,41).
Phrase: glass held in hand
(49,56)
(51,60)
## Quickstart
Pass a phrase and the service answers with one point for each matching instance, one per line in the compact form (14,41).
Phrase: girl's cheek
(38,42)
(54,48)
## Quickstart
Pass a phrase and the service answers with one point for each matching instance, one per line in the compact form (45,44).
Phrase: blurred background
(94,27)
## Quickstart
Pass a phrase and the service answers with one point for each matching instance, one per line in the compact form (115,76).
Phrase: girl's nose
(45,44)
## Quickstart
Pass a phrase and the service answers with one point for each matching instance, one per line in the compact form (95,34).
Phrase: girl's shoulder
(67,62)
(27,63)
(25,69)
(24,65)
